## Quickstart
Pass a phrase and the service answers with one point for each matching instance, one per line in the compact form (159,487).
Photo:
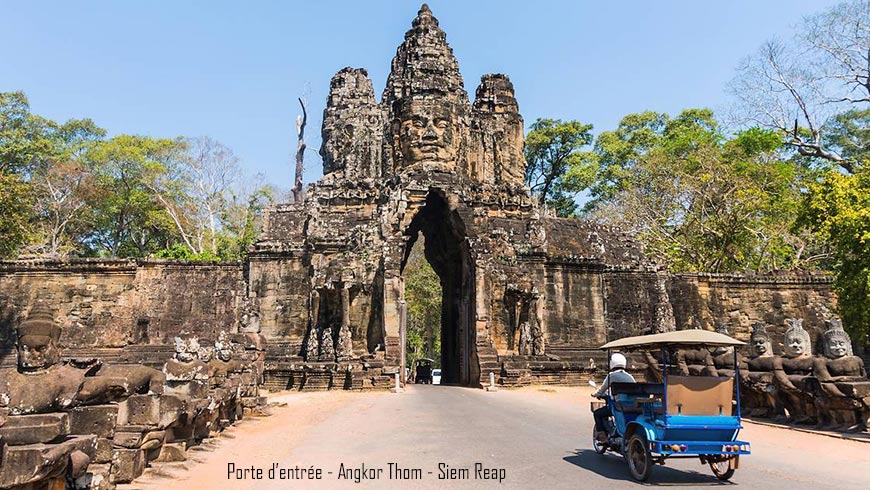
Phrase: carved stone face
(223,351)
(761,346)
(426,133)
(796,345)
(836,347)
(337,142)
(186,350)
(36,352)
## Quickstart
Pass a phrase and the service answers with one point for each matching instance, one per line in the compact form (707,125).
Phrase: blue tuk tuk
(681,417)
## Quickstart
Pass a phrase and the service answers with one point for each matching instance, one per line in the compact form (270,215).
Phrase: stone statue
(696,362)
(844,390)
(791,374)
(327,345)
(425,133)
(42,383)
(758,375)
(723,356)
(344,349)
(525,345)
(249,321)
(538,346)
(186,365)
(312,342)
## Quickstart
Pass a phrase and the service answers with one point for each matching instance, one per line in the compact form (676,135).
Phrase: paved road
(539,438)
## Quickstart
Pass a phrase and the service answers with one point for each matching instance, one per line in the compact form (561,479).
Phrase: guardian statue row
(829,390)
(86,424)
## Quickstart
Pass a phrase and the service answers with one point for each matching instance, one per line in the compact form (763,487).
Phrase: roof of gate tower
(424,64)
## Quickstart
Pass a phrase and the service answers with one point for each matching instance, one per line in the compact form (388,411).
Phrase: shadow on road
(613,466)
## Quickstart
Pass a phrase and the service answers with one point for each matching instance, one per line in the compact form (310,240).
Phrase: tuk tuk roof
(680,337)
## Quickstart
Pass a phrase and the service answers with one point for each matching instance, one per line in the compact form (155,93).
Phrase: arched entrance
(447,252)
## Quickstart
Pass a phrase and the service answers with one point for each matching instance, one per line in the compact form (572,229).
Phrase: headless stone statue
(695,362)
(758,376)
(327,345)
(723,357)
(792,371)
(538,347)
(525,345)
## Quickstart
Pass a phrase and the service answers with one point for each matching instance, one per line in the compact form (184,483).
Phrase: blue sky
(232,70)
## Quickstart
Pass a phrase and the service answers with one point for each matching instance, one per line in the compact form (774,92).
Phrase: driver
(617,374)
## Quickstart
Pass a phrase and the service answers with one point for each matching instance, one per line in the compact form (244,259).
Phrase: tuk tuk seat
(626,395)
(700,395)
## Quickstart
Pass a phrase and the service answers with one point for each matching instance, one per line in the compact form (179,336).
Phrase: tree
(129,219)
(837,209)
(16,212)
(697,200)
(192,187)
(64,185)
(301,121)
(423,296)
(557,168)
(797,88)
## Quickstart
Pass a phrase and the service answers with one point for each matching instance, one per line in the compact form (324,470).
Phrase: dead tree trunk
(300,151)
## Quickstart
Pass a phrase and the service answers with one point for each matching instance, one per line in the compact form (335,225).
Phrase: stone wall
(738,300)
(118,303)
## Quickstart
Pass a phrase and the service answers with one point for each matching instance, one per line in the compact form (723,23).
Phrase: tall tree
(796,87)
(130,220)
(193,188)
(557,167)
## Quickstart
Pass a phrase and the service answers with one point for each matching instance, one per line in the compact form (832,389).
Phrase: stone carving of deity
(425,133)
(759,373)
(792,371)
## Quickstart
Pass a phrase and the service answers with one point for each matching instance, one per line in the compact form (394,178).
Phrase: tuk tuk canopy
(680,337)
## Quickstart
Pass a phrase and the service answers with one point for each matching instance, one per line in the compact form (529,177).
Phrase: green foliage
(837,209)
(423,300)
(700,201)
(130,221)
(16,213)
(181,252)
(69,190)
(557,168)
(849,134)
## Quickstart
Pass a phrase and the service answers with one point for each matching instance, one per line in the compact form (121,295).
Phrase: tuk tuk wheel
(723,470)
(598,446)
(640,463)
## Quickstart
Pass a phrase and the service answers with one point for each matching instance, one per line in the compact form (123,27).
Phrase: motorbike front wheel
(598,446)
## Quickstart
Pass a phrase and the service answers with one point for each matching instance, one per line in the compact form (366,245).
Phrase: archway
(447,252)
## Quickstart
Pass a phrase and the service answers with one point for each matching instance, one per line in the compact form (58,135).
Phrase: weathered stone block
(99,420)
(103,453)
(127,438)
(139,410)
(172,452)
(98,477)
(32,429)
(127,464)
(192,389)
(40,462)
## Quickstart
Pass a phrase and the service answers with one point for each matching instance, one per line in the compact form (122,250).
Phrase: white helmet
(617,361)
